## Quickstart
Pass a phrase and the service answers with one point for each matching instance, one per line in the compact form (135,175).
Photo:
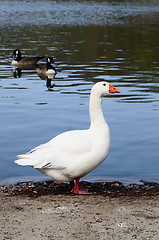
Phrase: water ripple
(72,13)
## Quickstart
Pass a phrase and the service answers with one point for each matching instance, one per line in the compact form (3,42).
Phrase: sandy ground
(54,217)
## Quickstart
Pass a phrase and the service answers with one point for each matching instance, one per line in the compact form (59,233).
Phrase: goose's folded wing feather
(59,152)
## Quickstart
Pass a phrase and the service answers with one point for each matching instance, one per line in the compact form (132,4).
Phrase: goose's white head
(103,89)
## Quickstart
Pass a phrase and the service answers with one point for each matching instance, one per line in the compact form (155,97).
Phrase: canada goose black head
(49,62)
(17,55)
(21,61)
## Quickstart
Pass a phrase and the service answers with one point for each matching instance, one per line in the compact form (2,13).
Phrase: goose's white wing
(59,152)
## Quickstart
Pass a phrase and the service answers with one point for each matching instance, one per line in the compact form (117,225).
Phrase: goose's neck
(48,65)
(95,111)
(18,57)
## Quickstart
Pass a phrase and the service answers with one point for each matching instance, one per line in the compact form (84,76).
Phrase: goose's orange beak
(113,89)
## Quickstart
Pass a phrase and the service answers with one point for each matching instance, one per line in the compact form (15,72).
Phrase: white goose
(72,154)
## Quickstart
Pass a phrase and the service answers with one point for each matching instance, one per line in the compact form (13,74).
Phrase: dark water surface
(116,41)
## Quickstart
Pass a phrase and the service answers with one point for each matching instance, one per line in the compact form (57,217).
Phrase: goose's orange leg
(77,190)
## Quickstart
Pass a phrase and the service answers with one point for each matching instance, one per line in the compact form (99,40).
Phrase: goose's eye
(104,84)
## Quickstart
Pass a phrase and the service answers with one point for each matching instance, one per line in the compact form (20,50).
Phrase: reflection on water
(17,73)
(90,41)
(49,83)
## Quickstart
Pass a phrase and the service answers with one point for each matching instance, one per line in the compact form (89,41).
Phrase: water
(116,41)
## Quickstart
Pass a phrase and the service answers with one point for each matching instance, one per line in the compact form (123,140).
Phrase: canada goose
(21,61)
(46,69)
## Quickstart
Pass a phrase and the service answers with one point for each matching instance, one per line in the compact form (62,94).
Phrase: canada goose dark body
(21,61)
(47,68)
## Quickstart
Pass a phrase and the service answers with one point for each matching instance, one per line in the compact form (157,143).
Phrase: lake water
(116,41)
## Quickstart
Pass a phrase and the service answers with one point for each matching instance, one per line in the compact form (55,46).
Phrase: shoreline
(124,179)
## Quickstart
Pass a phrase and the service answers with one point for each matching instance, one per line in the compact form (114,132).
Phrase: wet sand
(52,214)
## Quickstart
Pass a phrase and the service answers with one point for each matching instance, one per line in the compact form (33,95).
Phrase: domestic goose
(72,154)
(21,61)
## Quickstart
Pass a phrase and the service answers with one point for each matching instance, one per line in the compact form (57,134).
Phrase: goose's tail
(23,160)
